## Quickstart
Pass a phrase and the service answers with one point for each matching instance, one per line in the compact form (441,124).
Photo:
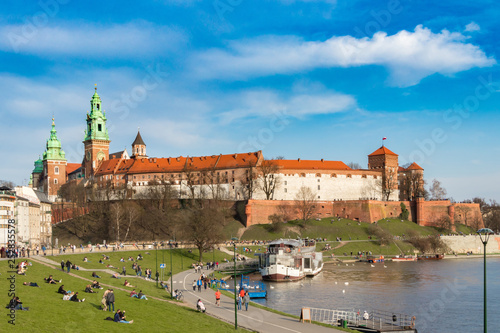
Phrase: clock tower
(96,137)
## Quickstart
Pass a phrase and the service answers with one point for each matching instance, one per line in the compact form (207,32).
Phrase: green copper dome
(38,166)
(54,151)
(96,120)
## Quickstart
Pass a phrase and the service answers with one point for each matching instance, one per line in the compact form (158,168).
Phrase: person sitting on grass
(120,317)
(115,276)
(96,285)
(141,295)
(51,280)
(85,259)
(122,260)
(200,306)
(16,304)
(61,290)
(127,284)
(95,276)
(164,285)
(133,293)
(88,289)
(74,298)
(31,284)
(110,266)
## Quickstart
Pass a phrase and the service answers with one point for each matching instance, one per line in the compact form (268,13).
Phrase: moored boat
(290,260)
(431,257)
(404,258)
(372,259)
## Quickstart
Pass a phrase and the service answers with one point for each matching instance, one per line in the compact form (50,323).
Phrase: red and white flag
(384,138)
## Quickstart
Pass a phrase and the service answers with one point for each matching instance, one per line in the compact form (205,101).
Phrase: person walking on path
(199,284)
(62,265)
(239,301)
(194,285)
(68,265)
(217,297)
(246,300)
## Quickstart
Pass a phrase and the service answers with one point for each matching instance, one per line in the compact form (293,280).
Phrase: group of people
(68,295)
(243,298)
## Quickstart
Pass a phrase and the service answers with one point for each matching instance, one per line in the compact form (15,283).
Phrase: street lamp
(171,272)
(156,274)
(484,235)
(234,239)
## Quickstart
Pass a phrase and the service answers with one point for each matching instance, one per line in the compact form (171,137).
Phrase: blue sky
(296,78)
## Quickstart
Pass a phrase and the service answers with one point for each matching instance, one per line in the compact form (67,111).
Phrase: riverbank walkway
(255,319)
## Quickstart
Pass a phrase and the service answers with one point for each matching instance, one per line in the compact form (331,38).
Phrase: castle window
(99,127)
(349,176)
(318,175)
(319,197)
(56,170)
(285,182)
(319,180)
(97,105)
(302,175)
(319,187)
(55,181)
(334,175)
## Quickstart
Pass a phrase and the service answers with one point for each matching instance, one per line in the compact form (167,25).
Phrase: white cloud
(409,56)
(134,39)
(473,26)
(268,103)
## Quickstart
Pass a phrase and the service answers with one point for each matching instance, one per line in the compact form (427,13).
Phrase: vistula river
(444,295)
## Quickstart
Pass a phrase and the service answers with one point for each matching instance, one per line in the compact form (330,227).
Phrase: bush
(405,214)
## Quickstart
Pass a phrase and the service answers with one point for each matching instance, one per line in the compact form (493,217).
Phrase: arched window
(56,170)
(55,180)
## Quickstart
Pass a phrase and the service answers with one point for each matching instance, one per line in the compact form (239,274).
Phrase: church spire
(96,120)
(53,147)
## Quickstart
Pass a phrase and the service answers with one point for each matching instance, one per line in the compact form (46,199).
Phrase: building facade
(237,176)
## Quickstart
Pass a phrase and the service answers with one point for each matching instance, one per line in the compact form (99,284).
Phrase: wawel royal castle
(329,180)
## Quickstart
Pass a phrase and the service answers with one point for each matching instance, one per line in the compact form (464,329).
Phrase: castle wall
(468,243)
(258,211)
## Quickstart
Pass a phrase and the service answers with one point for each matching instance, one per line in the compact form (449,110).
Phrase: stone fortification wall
(464,244)
(431,212)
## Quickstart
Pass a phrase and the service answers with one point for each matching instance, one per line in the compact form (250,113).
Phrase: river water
(444,295)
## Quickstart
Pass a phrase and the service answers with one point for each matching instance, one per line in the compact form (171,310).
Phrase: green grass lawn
(49,313)
(182,260)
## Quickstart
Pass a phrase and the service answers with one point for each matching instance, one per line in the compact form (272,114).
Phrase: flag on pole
(384,138)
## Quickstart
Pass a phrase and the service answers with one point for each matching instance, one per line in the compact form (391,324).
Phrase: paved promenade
(254,319)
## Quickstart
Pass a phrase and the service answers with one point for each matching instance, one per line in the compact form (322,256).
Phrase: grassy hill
(49,313)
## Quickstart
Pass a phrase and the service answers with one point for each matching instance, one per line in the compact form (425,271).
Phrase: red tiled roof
(178,164)
(414,166)
(310,164)
(382,151)
(70,167)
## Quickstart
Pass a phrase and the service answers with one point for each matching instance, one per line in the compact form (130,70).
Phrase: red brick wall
(258,211)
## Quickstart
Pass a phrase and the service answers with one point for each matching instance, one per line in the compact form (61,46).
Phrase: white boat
(290,260)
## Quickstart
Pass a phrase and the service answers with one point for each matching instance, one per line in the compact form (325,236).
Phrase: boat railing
(380,320)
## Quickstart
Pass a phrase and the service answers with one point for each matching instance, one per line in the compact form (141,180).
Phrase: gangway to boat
(377,322)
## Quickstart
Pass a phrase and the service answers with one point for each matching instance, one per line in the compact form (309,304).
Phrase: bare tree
(412,184)
(388,184)
(305,203)
(203,225)
(7,183)
(436,191)
(192,179)
(354,165)
(268,178)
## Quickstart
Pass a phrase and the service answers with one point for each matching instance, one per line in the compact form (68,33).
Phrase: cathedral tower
(54,165)
(96,137)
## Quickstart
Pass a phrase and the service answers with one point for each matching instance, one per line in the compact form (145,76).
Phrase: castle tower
(54,165)
(96,137)
(387,162)
(138,147)
(36,174)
